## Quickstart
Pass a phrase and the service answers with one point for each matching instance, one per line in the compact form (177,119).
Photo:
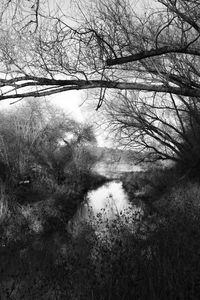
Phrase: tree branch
(152,53)
(57,86)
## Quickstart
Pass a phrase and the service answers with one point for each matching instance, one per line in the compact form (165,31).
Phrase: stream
(104,205)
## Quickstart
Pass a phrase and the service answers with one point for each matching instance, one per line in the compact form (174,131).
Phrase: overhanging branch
(152,53)
(44,87)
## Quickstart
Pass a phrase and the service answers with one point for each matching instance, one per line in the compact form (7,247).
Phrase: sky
(76,105)
(72,102)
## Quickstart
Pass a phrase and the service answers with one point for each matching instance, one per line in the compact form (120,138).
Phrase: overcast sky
(72,102)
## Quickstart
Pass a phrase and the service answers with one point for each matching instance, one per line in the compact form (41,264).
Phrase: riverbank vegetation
(144,65)
(46,171)
(153,255)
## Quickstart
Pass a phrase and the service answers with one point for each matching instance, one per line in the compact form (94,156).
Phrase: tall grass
(129,257)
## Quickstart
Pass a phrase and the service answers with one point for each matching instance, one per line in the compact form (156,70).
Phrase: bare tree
(31,142)
(111,47)
(157,128)
(114,47)
(22,14)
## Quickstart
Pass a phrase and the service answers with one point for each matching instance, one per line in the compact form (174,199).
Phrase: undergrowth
(132,256)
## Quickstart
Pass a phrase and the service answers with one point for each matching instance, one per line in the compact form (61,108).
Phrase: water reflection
(102,206)
(111,197)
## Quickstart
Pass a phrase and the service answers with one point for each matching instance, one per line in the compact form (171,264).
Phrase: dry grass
(157,259)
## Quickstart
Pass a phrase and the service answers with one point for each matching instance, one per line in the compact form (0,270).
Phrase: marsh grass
(142,257)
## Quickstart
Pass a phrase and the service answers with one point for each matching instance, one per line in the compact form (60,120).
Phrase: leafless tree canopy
(109,46)
(161,128)
(21,14)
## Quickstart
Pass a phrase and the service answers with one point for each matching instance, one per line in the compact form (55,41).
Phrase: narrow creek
(102,206)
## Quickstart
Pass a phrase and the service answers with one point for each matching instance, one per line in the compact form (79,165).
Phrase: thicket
(45,170)
(151,253)
(46,167)
(133,256)
(112,46)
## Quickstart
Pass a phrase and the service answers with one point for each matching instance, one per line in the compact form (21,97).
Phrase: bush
(131,256)
(123,258)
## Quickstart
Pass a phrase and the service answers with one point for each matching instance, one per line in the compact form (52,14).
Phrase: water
(115,169)
(102,206)
(110,197)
